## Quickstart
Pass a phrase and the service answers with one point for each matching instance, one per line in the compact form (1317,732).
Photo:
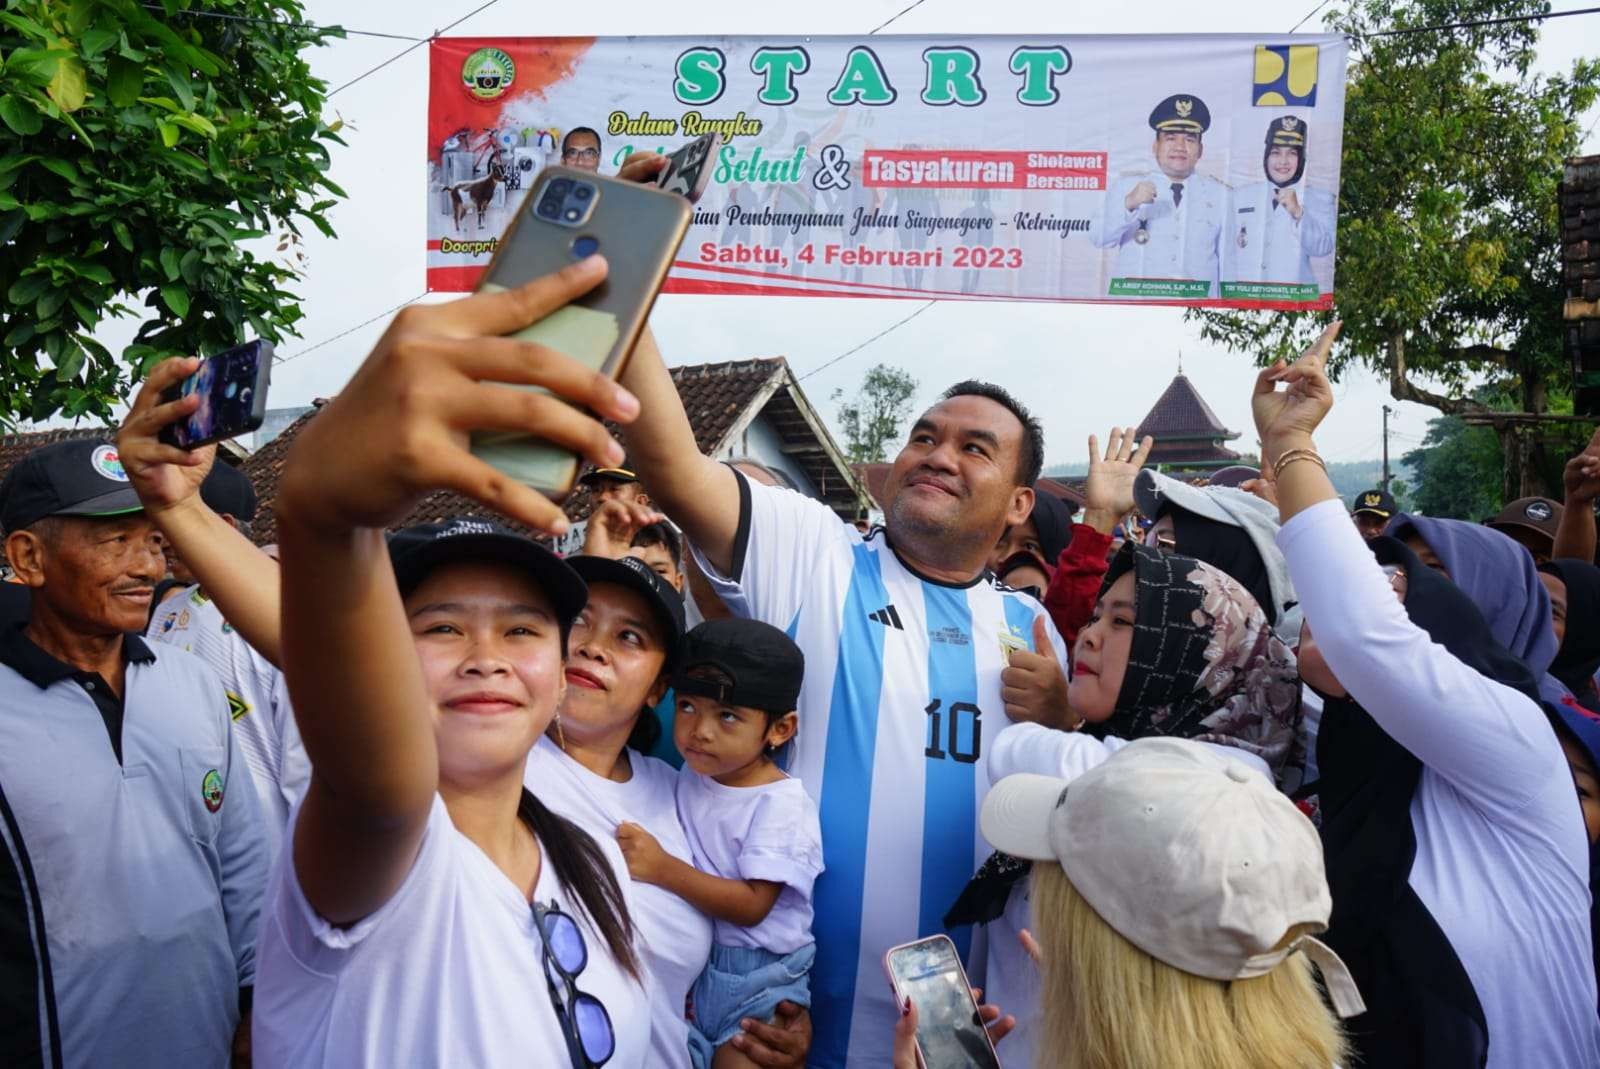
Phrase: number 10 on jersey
(954,733)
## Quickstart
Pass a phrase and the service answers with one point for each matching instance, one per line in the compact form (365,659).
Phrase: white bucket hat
(1194,858)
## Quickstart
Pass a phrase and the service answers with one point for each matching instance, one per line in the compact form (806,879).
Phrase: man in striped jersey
(905,636)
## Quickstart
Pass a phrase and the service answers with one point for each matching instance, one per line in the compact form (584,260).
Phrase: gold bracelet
(1298,454)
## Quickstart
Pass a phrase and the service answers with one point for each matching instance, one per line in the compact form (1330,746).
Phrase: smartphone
(568,215)
(950,1034)
(689,169)
(233,396)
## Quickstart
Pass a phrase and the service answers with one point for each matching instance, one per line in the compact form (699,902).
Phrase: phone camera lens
(582,193)
(559,186)
(572,215)
(550,207)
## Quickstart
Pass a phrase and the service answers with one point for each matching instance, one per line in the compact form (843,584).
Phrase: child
(754,831)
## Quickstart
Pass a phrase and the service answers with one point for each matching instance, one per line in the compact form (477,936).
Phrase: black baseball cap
(416,551)
(634,574)
(227,491)
(764,664)
(83,477)
(1378,503)
(622,474)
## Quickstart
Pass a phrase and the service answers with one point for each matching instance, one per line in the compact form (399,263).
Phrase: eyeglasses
(589,154)
(584,1021)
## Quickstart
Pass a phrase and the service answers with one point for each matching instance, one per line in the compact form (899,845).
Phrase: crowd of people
(1220,774)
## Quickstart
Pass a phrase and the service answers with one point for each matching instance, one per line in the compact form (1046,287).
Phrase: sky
(1081,368)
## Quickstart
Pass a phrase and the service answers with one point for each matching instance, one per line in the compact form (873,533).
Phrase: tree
(138,150)
(872,419)
(1448,258)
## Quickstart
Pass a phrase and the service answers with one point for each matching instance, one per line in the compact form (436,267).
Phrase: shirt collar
(42,669)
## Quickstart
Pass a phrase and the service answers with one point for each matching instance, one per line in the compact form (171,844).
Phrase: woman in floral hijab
(1175,647)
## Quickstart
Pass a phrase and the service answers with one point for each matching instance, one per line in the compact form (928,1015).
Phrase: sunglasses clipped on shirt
(584,1021)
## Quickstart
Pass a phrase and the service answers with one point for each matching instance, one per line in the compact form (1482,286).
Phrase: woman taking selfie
(431,911)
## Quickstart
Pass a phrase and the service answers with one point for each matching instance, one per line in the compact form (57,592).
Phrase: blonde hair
(1106,1004)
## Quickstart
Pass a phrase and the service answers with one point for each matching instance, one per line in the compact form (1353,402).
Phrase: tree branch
(1403,389)
(1487,353)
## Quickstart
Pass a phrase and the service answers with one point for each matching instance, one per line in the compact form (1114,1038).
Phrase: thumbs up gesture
(1034,686)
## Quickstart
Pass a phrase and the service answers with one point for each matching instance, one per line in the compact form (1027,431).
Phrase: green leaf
(68,365)
(22,117)
(97,40)
(169,263)
(180,86)
(169,133)
(94,272)
(10,224)
(124,79)
(198,124)
(123,234)
(164,103)
(24,25)
(176,298)
(19,334)
(69,85)
(51,301)
(8,202)
(64,168)
(26,289)
(189,266)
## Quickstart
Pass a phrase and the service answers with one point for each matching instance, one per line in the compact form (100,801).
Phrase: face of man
(1536,542)
(955,482)
(1177,153)
(95,575)
(1370,524)
(1282,162)
(614,490)
(581,151)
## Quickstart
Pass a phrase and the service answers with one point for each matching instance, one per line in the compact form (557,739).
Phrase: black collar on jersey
(42,669)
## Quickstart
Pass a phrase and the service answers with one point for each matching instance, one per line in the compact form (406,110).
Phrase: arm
(1316,223)
(1080,571)
(399,430)
(1575,538)
(1117,220)
(241,579)
(742,902)
(1498,745)
(1046,752)
(701,495)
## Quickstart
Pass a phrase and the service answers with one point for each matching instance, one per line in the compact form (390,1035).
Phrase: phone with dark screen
(233,396)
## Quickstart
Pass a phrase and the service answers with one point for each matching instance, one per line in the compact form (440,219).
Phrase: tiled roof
(13,447)
(1191,454)
(716,395)
(877,475)
(1181,413)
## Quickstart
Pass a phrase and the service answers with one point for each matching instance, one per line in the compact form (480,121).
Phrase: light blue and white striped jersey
(901,698)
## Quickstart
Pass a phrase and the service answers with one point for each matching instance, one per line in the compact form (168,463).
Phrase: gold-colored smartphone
(567,215)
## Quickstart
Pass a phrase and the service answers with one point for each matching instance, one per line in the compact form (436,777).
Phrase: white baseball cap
(1194,858)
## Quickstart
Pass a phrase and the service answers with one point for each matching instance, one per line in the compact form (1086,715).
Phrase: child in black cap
(754,830)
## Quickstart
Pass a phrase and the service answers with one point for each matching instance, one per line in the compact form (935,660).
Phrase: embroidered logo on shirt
(211,791)
(237,706)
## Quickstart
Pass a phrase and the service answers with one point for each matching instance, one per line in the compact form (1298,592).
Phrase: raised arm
(701,495)
(1575,538)
(242,580)
(398,431)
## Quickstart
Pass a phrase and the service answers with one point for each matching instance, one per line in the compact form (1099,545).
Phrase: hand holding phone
(688,170)
(232,387)
(950,1031)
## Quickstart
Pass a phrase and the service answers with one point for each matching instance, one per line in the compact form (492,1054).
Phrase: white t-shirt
(675,937)
(258,701)
(899,710)
(1502,858)
(767,832)
(1013,978)
(449,973)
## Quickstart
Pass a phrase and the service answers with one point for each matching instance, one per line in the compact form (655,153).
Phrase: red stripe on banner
(453,279)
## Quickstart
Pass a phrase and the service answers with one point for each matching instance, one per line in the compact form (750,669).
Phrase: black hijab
(1579,657)
(1422,1008)
(1227,549)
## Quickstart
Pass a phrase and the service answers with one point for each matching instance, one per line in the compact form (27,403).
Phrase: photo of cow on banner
(1125,169)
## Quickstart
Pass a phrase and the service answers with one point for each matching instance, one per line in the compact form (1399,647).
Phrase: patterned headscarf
(1204,663)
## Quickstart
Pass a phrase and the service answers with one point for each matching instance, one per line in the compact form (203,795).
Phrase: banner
(1195,170)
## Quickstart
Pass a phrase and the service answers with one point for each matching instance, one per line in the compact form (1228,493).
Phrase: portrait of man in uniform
(1166,223)
(1276,226)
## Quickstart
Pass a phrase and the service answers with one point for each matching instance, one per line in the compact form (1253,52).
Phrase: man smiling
(132,860)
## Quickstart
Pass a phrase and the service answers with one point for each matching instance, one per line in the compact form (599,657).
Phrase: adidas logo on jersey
(888,617)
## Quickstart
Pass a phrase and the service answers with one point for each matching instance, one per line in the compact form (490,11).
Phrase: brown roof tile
(1180,412)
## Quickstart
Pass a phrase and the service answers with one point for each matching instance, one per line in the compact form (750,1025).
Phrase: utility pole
(1386,411)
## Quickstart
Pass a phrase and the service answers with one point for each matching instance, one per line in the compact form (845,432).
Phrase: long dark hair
(582,869)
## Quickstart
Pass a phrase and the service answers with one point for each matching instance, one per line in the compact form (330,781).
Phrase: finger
(505,311)
(1031,946)
(152,451)
(1267,380)
(1041,635)
(642,166)
(1002,1028)
(166,374)
(1094,448)
(905,1036)
(1320,348)
(489,407)
(507,360)
(453,468)
(1145,446)
(153,419)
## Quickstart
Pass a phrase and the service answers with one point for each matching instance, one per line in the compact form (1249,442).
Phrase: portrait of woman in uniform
(1276,226)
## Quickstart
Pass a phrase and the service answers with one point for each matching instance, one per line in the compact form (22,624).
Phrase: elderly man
(132,859)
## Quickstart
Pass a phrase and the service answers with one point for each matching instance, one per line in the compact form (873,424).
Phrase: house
(741,408)
(1189,436)
(876,477)
(13,447)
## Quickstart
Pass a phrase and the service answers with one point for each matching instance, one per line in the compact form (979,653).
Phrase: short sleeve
(778,530)
(784,840)
(326,948)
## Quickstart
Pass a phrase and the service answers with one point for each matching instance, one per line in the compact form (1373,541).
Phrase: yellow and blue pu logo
(1285,75)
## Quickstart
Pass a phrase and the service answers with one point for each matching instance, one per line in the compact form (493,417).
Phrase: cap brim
(567,592)
(1151,490)
(1016,815)
(116,503)
(605,570)
(1374,512)
(1523,525)
(615,475)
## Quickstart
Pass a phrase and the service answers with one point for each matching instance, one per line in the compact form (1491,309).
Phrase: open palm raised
(1110,484)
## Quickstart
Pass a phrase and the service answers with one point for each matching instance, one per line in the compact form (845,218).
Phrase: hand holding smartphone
(688,170)
(233,396)
(950,1031)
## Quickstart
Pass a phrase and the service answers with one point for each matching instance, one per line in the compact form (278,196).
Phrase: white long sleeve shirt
(1502,858)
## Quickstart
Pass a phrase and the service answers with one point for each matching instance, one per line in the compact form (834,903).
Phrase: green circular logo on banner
(211,790)
(488,74)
